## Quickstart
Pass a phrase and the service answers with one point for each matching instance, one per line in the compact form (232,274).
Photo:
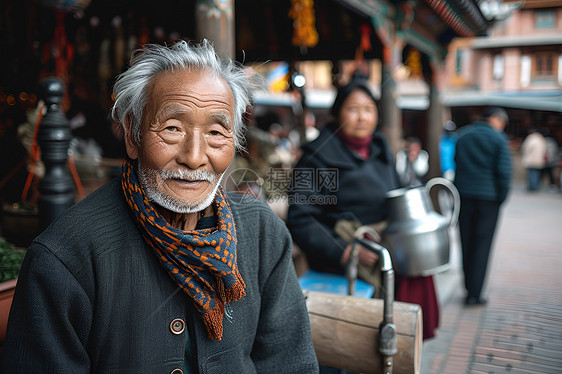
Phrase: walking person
(533,158)
(447,144)
(483,178)
(551,161)
(412,163)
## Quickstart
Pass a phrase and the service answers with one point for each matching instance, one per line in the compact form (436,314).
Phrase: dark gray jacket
(483,163)
(92,297)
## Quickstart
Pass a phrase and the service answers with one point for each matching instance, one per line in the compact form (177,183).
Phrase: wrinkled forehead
(202,89)
(189,78)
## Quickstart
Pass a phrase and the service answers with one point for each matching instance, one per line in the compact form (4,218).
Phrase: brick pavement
(520,329)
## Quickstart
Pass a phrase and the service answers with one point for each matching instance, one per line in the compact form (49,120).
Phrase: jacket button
(177,327)
(177,371)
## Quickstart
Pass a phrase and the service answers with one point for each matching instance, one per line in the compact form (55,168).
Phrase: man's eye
(172,128)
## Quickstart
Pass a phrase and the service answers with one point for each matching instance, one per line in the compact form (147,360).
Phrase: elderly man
(160,270)
(483,179)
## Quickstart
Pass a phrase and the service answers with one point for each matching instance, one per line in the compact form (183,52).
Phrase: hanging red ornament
(365,32)
(304,23)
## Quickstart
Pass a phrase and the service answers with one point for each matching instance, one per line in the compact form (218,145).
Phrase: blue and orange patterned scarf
(201,262)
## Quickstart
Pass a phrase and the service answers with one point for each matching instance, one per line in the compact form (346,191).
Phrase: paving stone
(520,329)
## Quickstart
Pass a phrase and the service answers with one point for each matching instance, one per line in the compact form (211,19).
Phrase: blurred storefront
(398,45)
(518,67)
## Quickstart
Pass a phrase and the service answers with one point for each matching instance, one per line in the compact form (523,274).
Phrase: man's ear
(131,145)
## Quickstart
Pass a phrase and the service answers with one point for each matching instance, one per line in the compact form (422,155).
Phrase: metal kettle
(417,237)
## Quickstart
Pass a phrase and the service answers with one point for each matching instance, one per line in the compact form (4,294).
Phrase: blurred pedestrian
(551,161)
(341,181)
(311,131)
(533,158)
(482,177)
(412,163)
(447,145)
(350,152)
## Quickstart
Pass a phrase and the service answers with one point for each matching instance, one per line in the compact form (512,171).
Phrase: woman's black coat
(330,183)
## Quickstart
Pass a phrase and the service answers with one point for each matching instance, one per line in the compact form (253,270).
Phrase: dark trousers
(477,224)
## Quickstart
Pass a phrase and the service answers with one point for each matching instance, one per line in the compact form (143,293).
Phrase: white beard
(150,178)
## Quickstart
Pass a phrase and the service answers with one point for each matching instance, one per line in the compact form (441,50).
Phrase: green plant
(10,260)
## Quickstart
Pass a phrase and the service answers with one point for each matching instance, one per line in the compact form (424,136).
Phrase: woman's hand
(366,256)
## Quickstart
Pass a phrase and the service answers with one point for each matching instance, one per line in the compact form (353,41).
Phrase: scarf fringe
(212,319)
(238,289)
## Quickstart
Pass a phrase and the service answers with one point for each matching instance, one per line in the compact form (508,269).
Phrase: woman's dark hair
(345,91)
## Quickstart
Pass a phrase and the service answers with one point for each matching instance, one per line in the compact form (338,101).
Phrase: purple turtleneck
(360,146)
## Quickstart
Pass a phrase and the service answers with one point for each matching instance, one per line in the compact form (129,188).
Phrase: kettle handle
(453,191)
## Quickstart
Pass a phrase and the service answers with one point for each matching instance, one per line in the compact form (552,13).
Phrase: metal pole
(387,345)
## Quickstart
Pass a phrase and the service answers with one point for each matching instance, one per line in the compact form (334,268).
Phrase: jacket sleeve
(49,319)
(283,342)
(311,223)
(503,171)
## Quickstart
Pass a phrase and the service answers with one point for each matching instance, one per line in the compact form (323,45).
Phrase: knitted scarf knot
(201,262)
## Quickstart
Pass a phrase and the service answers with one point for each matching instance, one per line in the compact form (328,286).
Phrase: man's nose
(193,152)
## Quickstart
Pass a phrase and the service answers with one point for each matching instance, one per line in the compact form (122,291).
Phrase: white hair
(130,89)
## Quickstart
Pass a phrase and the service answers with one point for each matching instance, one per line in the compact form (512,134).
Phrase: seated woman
(343,176)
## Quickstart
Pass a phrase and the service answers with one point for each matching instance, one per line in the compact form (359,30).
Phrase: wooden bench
(345,332)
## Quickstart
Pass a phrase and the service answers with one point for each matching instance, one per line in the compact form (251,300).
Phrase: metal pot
(417,237)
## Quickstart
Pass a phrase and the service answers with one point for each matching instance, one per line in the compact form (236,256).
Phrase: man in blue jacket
(483,174)
(160,270)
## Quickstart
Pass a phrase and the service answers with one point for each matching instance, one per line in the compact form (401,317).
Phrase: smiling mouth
(180,186)
(188,181)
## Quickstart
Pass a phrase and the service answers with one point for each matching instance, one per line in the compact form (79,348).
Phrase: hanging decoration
(361,66)
(365,32)
(304,23)
(413,61)
(57,56)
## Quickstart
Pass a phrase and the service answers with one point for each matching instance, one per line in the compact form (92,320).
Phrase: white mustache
(196,175)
